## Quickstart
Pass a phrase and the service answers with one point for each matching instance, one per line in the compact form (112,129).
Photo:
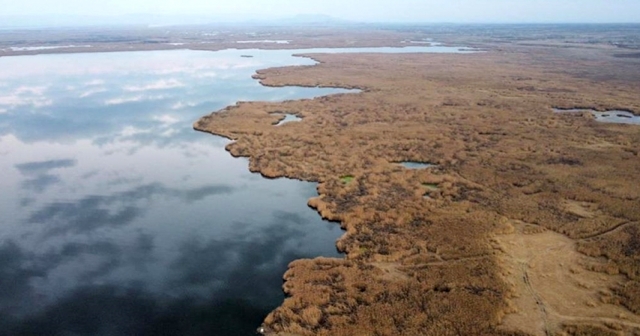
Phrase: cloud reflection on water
(120,219)
(94,212)
(39,178)
(212,286)
(40,167)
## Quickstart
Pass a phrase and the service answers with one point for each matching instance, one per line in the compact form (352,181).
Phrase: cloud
(38,171)
(158,85)
(166,119)
(114,310)
(197,194)
(16,101)
(207,284)
(94,82)
(110,309)
(103,211)
(40,183)
(15,273)
(92,92)
(32,90)
(75,249)
(84,216)
(33,96)
(181,105)
(169,133)
(124,100)
(133,99)
(39,167)
(209,74)
(106,255)
(222,265)
(224,285)
(130,131)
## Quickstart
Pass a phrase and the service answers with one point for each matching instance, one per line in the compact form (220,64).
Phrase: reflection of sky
(113,209)
(610,116)
(69,95)
(617,117)
(108,194)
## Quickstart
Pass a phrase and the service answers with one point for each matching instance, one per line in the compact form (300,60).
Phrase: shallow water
(289,118)
(117,218)
(611,116)
(36,48)
(416,165)
(264,41)
(433,48)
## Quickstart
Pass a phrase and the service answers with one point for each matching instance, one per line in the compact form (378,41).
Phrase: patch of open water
(611,116)
(117,218)
(288,118)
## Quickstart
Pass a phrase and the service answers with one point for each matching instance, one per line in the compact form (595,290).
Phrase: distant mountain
(314,19)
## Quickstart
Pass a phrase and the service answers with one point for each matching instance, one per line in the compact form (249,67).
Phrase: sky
(456,11)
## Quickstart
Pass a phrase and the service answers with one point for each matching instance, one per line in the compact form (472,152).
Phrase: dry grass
(419,266)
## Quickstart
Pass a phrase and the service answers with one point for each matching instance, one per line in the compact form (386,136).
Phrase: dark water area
(116,218)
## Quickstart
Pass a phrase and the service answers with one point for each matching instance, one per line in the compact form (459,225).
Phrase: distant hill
(314,19)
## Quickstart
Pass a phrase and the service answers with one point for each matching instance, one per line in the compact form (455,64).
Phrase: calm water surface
(288,118)
(116,218)
(611,116)
(416,165)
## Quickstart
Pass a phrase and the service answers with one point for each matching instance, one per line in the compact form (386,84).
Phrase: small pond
(288,118)
(611,116)
(416,165)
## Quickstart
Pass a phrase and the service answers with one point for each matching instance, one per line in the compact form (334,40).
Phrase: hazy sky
(362,10)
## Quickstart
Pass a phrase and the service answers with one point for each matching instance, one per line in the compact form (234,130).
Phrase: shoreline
(193,47)
(385,261)
(531,223)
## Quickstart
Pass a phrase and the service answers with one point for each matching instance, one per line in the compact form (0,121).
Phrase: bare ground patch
(553,291)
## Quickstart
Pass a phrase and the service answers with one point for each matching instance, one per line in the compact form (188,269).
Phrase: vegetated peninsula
(531,225)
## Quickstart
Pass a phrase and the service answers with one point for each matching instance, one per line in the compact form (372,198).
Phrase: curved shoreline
(316,203)
(310,203)
(390,240)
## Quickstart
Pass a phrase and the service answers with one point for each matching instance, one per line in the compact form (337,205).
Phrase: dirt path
(551,288)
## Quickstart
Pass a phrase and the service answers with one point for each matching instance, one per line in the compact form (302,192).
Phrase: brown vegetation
(520,190)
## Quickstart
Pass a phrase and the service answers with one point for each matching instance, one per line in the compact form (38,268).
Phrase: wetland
(526,224)
(513,184)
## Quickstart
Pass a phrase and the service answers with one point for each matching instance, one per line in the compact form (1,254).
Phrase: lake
(116,218)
